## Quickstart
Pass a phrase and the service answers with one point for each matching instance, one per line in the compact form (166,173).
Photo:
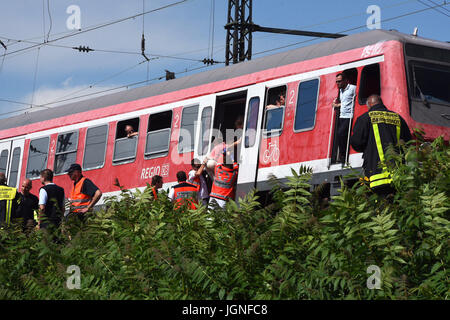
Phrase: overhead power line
(101,26)
(46,105)
(435,9)
(352,29)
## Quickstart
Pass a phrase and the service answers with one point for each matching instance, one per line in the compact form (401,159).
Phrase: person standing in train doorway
(347,94)
(84,195)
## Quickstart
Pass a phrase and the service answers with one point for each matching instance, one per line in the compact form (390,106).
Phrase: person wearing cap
(84,195)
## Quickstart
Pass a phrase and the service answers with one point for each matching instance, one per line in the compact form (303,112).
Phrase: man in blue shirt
(347,94)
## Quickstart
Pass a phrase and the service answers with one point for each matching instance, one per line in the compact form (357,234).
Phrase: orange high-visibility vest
(224,182)
(77,199)
(185,192)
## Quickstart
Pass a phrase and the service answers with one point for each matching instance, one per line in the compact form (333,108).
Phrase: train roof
(284,58)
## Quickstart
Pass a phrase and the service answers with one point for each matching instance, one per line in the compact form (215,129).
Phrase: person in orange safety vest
(84,195)
(224,185)
(183,192)
(157,182)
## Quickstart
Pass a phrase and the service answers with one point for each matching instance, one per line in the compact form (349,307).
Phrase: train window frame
(85,144)
(278,132)
(181,125)
(296,106)
(28,157)
(18,166)
(121,161)
(201,141)
(7,158)
(158,154)
(65,152)
(246,136)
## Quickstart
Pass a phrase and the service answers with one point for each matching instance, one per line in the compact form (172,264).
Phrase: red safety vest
(155,193)
(185,192)
(224,182)
(77,199)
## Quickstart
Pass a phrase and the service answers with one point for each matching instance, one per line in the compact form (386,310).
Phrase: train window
(205,131)
(95,147)
(431,81)
(14,172)
(3,160)
(188,129)
(66,151)
(305,113)
(274,113)
(369,83)
(37,157)
(125,146)
(158,134)
(252,122)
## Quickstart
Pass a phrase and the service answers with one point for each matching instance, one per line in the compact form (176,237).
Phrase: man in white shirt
(347,94)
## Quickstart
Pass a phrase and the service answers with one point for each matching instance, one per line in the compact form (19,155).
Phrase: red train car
(176,120)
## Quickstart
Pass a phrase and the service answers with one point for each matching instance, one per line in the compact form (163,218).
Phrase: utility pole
(240,27)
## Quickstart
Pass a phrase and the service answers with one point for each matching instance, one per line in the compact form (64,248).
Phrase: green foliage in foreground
(292,249)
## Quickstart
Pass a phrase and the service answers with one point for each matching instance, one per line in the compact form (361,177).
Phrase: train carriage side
(300,133)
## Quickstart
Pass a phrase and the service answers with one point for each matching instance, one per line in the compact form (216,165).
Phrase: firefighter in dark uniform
(9,200)
(372,133)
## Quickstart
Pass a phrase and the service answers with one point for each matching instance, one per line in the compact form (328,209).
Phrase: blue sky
(181,31)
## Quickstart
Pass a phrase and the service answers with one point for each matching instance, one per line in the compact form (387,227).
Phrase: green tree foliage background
(293,249)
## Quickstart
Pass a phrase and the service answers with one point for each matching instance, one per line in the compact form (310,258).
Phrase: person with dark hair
(345,104)
(157,182)
(84,195)
(373,132)
(28,205)
(198,177)
(184,192)
(51,201)
(225,179)
(279,102)
(130,131)
(9,201)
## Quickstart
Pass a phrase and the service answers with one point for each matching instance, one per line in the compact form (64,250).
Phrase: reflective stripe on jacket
(77,199)
(390,118)
(224,182)
(8,194)
(185,192)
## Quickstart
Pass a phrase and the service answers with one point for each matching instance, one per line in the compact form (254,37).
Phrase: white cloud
(53,97)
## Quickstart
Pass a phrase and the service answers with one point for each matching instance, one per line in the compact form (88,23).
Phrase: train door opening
(228,120)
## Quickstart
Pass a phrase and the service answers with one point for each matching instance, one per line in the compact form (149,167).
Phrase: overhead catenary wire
(50,20)
(46,105)
(435,9)
(351,29)
(35,76)
(115,51)
(103,25)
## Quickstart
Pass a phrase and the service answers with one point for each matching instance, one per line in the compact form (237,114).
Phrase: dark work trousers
(342,137)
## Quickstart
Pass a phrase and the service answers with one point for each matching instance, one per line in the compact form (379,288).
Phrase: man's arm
(95,198)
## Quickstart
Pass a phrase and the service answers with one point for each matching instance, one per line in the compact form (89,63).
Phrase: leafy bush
(292,249)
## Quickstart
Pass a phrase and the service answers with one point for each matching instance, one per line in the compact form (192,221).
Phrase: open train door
(11,153)
(250,140)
